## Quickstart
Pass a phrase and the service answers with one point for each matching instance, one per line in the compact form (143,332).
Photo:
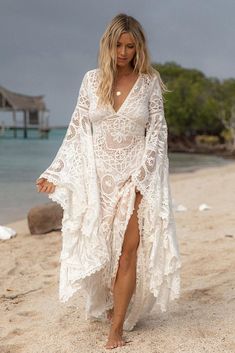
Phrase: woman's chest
(135,106)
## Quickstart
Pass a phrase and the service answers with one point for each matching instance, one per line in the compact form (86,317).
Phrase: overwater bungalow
(35,113)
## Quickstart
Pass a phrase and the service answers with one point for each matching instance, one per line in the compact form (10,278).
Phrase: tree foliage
(196,104)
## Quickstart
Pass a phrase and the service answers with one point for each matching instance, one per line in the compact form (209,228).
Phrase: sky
(46,46)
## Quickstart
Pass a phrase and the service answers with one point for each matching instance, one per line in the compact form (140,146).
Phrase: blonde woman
(110,175)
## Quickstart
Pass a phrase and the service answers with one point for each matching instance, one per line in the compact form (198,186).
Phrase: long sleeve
(73,171)
(69,156)
(152,180)
(73,168)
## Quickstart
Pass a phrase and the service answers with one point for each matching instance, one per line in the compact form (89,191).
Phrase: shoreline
(225,154)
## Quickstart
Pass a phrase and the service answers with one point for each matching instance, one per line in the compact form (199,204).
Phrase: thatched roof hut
(33,108)
(19,102)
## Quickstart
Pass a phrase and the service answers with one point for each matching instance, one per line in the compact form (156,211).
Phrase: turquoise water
(23,160)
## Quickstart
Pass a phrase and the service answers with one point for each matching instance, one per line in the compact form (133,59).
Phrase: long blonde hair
(107,60)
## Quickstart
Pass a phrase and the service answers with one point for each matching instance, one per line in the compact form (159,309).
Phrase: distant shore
(189,145)
(181,144)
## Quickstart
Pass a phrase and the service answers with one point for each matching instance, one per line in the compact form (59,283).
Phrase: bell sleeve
(152,180)
(73,171)
(68,159)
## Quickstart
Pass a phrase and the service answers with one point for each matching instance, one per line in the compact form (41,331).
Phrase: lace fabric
(104,157)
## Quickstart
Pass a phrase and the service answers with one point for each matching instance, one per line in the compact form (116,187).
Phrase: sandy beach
(32,320)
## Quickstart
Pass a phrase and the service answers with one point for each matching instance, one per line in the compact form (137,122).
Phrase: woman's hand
(43,185)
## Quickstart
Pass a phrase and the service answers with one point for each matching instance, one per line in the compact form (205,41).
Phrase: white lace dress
(103,157)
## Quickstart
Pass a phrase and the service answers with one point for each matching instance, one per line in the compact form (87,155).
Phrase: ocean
(23,160)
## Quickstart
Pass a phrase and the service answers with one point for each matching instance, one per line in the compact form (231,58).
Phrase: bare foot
(115,339)
(110,314)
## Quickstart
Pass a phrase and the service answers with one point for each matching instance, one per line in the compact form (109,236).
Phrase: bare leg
(110,314)
(125,280)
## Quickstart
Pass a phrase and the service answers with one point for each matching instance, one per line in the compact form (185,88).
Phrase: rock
(45,218)
(203,207)
(6,233)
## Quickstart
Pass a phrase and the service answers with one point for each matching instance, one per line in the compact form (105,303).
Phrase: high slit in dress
(104,157)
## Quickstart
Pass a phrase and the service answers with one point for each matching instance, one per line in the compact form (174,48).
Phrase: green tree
(195,102)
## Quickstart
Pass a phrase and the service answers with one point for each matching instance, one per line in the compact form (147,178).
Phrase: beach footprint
(16,332)
(28,313)
(48,283)
(49,265)
(11,348)
(49,275)
(12,271)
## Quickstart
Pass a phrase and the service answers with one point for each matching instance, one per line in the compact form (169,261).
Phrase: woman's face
(125,49)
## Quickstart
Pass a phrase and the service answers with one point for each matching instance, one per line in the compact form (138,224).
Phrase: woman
(110,175)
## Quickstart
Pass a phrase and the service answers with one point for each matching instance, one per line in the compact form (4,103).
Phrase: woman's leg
(126,278)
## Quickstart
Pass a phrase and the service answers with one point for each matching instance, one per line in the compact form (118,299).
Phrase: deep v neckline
(128,95)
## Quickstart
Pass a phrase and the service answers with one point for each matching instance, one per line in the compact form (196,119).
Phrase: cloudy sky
(46,46)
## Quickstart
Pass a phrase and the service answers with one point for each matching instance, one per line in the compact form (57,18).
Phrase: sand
(32,320)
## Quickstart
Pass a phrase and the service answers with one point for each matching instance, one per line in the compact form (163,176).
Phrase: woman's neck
(124,71)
